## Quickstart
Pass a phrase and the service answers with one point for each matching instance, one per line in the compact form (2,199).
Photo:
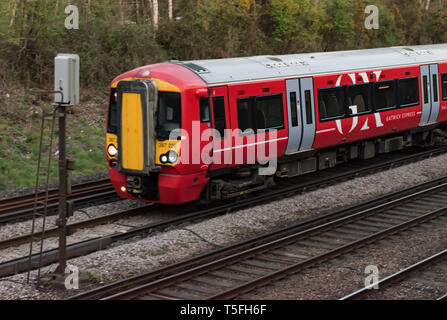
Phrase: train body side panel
(443,93)
(360,127)
(261,146)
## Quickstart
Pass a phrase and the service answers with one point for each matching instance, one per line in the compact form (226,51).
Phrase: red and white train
(317,109)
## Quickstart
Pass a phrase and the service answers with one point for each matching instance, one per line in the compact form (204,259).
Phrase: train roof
(221,71)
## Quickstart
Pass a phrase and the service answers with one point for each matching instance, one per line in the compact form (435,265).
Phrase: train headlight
(172,156)
(112,150)
(163,158)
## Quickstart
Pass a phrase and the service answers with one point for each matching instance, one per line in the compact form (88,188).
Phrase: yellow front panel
(132,132)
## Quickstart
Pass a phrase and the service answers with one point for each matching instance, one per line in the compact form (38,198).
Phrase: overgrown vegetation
(117,35)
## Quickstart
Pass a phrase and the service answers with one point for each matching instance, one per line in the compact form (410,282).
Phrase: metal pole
(63,182)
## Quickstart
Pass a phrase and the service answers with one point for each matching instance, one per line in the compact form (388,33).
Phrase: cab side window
(220,122)
(205,115)
(113,113)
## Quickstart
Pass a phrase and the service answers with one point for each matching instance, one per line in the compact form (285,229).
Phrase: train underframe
(238,181)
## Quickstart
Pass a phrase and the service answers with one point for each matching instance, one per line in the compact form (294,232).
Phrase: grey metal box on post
(66,81)
(66,78)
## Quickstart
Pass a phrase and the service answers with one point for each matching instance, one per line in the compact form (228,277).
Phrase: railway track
(289,188)
(237,274)
(229,272)
(73,227)
(425,279)
(82,194)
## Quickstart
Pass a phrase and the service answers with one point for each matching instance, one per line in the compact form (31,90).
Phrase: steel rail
(141,279)
(147,289)
(329,176)
(23,204)
(19,202)
(81,202)
(331,254)
(74,226)
(15,209)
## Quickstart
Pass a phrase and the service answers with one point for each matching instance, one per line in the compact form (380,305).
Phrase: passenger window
(244,114)
(293,109)
(435,88)
(359,96)
(384,95)
(331,103)
(425,81)
(444,86)
(408,92)
(205,110)
(308,101)
(268,112)
(220,123)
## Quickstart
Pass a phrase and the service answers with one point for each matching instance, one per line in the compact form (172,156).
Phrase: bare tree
(427,4)
(137,10)
(155,14)
(13,15)
(146,7)
(170,10)
(121,11)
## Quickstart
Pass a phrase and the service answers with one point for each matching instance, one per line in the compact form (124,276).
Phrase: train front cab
(144,162)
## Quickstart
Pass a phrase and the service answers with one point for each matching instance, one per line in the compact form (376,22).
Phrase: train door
(308,113)
(430,94)
(222,140)
(294,115)
(301,114)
